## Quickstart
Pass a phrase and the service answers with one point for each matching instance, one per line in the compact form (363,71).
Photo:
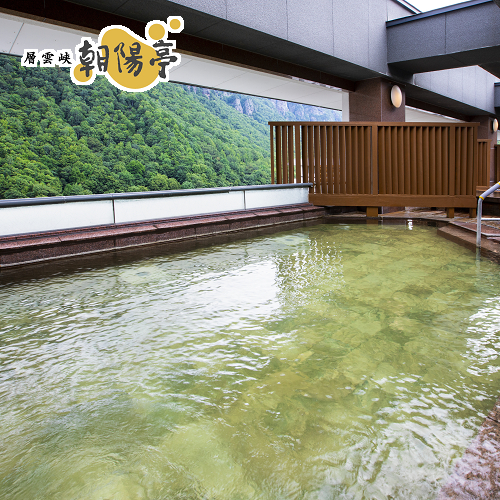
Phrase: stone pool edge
(477,474)
(36,248)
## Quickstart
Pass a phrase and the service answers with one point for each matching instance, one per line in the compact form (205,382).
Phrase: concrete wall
(353,31)
(324,25)
(347,39)
(364,41)
(472,85)
(51,214)
(457,36)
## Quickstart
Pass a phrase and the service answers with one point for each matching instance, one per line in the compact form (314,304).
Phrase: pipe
(480,211)
(478,228)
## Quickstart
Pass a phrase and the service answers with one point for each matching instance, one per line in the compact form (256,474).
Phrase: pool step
(464,233)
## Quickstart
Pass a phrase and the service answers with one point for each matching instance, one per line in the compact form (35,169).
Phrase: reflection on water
(333,362)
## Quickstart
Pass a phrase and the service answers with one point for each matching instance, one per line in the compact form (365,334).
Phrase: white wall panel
(418,115)
(275,197)
(56,216)
(131,210)
(36,218)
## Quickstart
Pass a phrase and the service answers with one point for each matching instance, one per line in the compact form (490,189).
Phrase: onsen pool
(329,362)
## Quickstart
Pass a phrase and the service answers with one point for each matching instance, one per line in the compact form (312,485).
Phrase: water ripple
(331,362)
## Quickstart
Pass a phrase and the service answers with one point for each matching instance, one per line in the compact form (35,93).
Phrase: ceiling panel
(418,115)
(9,29)
(251,83)
(17,34)
(204,72)
(40,38)
(296,91)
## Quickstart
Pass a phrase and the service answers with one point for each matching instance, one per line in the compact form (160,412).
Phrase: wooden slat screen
(497,163)
(337,159)
(483,163)
(415,159)
(403,159)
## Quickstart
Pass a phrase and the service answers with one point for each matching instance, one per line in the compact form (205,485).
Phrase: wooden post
(272,155)
(374,165)
(472,213)
(372,211)
(497,162)
(279,168)
(450,213)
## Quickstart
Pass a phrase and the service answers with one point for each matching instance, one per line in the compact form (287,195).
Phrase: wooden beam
(272,155)
(392,200)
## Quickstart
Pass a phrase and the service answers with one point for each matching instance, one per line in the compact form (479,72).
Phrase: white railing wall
(34,215)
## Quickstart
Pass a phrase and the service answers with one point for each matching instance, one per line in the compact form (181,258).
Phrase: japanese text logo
(128,61)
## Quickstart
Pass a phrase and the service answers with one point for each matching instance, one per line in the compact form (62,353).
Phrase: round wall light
(396,96)
(494,125)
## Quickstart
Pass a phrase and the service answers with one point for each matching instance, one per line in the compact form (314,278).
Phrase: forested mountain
(59,138)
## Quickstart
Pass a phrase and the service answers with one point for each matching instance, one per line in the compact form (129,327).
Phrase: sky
(425,5)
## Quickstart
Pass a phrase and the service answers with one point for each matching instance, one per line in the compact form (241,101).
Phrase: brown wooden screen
(379,164)
(483,164)
(497,163)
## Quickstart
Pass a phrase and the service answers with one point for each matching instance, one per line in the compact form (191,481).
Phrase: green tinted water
(333,362)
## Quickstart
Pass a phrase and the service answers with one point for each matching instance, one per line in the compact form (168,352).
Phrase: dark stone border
(18,250)
(464,234)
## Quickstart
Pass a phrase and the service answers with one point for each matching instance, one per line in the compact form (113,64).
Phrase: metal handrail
(480,211)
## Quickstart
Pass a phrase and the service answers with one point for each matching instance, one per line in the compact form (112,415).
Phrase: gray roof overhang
(466,34)
(221,40)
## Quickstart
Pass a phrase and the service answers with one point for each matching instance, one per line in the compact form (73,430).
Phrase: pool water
(330,362)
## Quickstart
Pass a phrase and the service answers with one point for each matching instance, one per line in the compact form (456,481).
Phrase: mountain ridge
(58,138)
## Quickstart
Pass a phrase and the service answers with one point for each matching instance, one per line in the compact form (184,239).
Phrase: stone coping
(21,249)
